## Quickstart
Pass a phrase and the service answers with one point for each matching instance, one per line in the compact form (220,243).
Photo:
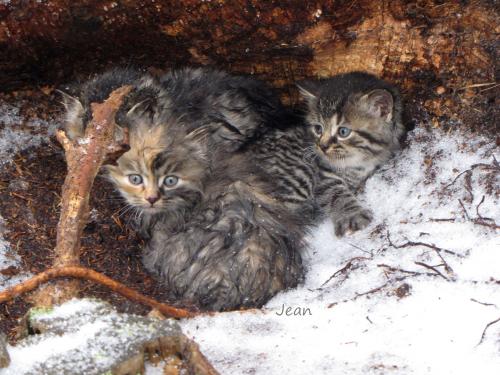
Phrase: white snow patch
(8,258)
(16,133)
(74,307)
(156,369)
(356,322)
(83,337)
(50,348)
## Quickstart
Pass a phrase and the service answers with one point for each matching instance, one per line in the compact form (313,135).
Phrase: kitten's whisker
(124,210)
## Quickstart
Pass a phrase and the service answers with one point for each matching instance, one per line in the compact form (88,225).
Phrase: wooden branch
(483,335)
(84,157)
(432,268)
(349,265)
(88,274)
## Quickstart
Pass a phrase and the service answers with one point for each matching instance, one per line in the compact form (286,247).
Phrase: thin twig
(485,329)
(477,211)
(418,243)
(490,225)
(432,268)
(456,178)
(443,219)
(344,269)
(88,274)
(465,211)
(483,303)
(413,273)
(374,290)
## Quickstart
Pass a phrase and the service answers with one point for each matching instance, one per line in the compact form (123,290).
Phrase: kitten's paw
(352,222)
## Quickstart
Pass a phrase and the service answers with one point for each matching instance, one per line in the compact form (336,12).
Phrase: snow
(8,258)
(16,133)
(85,337)
(49,348)
(373,302)
(362,320)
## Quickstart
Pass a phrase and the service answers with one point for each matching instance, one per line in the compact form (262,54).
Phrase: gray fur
(313,179)
(219,239)
(237,248)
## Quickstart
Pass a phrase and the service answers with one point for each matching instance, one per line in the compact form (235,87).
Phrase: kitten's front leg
(346,211)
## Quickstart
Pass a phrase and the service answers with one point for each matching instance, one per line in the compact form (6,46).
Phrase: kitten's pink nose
(324,147)
(152,200)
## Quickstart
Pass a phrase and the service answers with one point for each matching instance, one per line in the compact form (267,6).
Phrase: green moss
(37,311)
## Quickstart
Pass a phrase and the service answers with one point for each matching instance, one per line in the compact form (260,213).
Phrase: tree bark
(84,158)
(443,53)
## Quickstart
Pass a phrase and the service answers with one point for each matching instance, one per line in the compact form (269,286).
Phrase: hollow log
(442,53)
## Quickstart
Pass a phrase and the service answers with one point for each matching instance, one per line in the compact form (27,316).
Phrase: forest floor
(414,293)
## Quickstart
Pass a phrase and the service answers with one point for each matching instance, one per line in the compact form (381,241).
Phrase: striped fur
(317,171)
(217,238)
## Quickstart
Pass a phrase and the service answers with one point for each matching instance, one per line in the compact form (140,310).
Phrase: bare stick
(465,210)
(479,217)
(88,274)
(431,268)
(395,269)
(485,329)
(490,225)
(483,303)
(84,157)
(350,264)
(418,243)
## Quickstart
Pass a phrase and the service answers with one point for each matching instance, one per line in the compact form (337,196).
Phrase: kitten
(215,235)
(353,125)
(356,121)
(237,247)
(228,110)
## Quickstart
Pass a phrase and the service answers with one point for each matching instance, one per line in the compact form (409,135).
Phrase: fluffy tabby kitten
(236,247)
(353,126)
(227,110)
(215,235)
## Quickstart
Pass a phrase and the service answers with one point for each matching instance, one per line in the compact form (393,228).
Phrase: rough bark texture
(84,158)
(443,53)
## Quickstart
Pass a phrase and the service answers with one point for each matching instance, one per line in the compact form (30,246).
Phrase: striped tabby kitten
(353,126)
(214,234)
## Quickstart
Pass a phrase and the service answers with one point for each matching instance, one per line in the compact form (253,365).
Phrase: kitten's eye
(344,132)
(170,181)
(318,129)
(135,179)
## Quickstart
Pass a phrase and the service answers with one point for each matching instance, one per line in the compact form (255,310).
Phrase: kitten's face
(353,132)
(159,177)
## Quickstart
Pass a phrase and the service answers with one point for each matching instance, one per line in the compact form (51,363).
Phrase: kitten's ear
(378,103)
(309,90)
(74,126)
